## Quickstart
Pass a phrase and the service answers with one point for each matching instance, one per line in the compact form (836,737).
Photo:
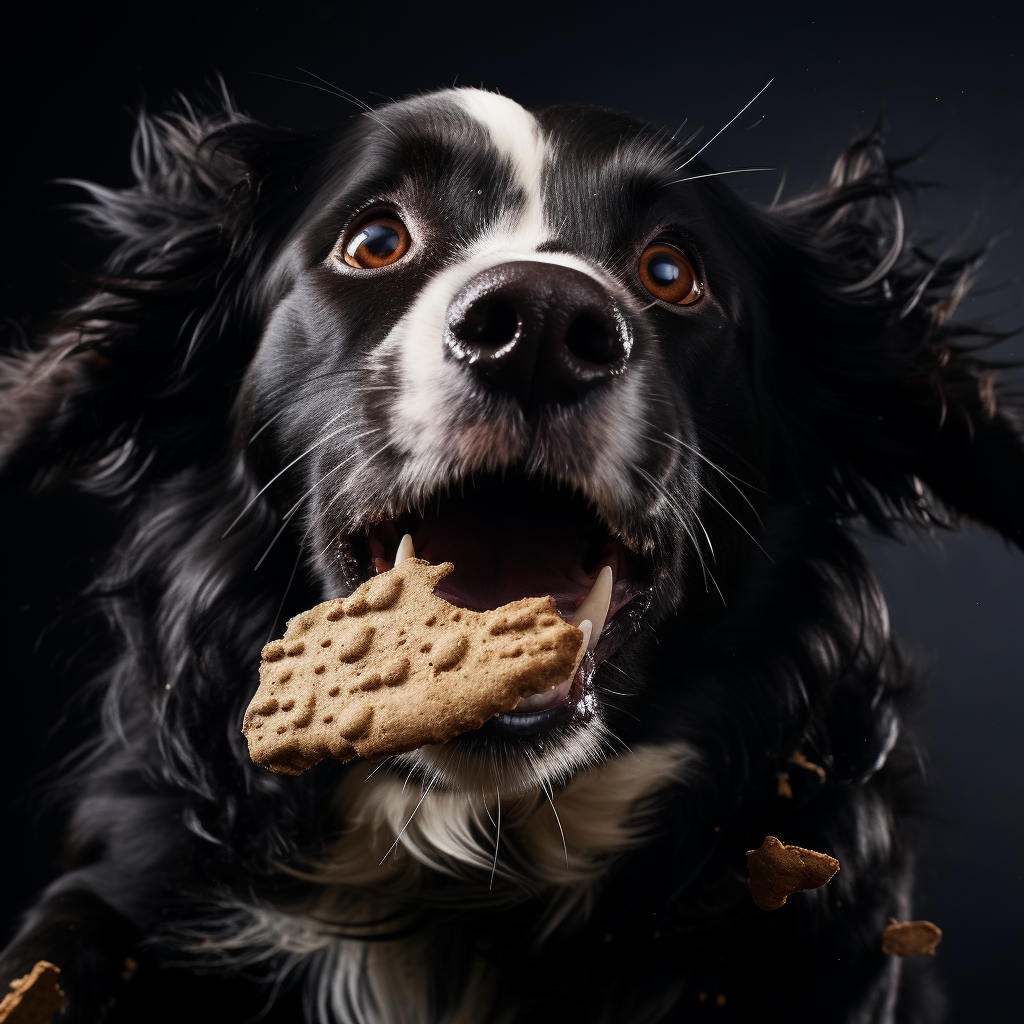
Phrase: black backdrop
(944,78)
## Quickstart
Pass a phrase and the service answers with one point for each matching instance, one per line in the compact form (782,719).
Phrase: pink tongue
(502,558)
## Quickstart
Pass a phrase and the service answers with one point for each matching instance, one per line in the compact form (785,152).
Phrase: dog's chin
(511,537)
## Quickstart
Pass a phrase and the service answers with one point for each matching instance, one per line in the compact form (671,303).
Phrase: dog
(540,345)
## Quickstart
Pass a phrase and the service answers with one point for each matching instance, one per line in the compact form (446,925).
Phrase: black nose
(540,332)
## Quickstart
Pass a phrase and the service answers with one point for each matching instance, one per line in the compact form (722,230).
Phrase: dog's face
(518,339)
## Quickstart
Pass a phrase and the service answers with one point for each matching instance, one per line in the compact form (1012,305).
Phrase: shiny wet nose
(541,333)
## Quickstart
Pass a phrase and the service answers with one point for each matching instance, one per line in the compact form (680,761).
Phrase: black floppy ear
(874,389)
(136,381)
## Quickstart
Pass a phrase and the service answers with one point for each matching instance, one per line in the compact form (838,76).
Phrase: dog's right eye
(375,243)
(668,275)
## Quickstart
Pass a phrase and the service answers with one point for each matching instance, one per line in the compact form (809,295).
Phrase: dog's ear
(879,401)
(137,380)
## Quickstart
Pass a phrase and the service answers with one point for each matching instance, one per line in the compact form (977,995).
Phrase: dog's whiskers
(378,768)
(497,832)
(681,515)
(291,512)
(725,476)
(718,174)
(690,159)
(551,800)
(398,838)
(252,501)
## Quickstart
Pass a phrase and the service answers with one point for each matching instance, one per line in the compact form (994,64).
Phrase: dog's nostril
(592,338)
(488,324)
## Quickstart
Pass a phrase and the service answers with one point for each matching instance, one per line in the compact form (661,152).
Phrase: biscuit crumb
(910,938)
(777,871)
(784,788)
(33,998)
(801,761)
(394,667)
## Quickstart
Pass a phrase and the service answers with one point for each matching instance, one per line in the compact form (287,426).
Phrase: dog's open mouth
(513,537)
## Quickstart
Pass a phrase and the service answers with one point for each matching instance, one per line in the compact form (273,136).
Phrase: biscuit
(777,871)
(34,998)
(394,667)
(910,938)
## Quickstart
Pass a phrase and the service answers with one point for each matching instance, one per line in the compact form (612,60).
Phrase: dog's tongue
(501,555)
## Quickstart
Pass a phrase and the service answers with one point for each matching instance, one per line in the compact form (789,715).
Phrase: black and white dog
(540,344)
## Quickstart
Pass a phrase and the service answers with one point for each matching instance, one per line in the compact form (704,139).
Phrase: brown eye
(668,275)
(376,243)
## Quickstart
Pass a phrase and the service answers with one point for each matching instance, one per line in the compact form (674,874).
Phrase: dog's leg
(86,939)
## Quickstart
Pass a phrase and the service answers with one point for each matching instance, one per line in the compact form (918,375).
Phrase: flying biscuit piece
(394,667)
(34,998)
(777,871)
(910,938)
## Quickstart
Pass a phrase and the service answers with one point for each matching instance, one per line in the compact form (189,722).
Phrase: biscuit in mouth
(514,535)
(394,667)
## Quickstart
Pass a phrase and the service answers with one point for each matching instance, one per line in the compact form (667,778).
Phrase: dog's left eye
(668,275)
(376,243)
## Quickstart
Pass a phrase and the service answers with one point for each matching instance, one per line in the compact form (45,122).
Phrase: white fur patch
(517,136)
(395,831)
(398,840)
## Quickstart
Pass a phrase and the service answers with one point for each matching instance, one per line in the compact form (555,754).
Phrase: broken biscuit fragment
(34,998)
(394,667)
(910,938)
(777,871)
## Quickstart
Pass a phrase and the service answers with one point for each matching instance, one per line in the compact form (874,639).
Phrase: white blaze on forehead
(516,135)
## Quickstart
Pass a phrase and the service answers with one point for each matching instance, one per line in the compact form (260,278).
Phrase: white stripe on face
(516,135)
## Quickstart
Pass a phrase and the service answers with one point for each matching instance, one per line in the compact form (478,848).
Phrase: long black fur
(869,401)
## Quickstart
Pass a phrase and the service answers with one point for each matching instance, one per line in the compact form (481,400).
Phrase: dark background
(944,78)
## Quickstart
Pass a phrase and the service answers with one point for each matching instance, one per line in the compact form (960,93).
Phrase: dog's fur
(252,401)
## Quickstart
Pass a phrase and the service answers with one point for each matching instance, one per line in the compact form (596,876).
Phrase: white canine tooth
(405,550)
(595,605)
(586,627)
(554,694)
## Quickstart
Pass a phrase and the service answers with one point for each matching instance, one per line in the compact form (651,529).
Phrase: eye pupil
(377,243)
(663,269)
(668,275)
(380,240)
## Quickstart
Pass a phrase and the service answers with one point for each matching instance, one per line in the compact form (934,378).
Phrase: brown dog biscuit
(34,998)
(394,667)
(777,871)
(910,938)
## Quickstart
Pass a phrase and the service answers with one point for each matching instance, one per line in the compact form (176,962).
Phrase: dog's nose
(540,332)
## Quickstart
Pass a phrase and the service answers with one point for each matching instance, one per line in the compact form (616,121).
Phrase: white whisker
(723,128)
(252,501)
(411,816)
(497,833)
(551,800)
(717,174)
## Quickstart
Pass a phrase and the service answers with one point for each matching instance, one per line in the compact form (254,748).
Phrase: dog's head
(540,344)
(517,339)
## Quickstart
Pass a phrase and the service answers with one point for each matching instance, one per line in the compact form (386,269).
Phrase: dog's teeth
(595,605)
(557,693)
(405,550)
(586,627)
